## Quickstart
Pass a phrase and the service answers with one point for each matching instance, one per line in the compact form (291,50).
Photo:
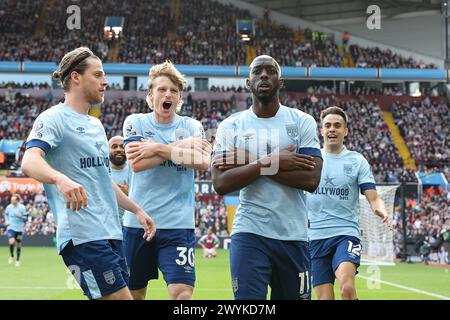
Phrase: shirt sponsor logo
(92,162)
(170,164)
(80,130)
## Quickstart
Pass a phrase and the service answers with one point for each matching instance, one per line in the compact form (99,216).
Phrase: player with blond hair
(163,149)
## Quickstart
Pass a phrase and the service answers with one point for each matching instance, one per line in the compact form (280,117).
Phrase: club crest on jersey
(348,168)
(181,134)
(109,276)
(292,130)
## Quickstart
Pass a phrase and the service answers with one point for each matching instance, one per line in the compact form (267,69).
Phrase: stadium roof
(345,10)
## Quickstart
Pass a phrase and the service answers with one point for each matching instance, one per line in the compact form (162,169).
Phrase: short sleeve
(197,129)
(309,141)
(366,180)
(225,137)
(7,214)
(47,132)
(132,130)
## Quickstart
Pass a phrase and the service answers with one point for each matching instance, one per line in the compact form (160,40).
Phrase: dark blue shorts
(258,262)
(328,254)
(18,236)
(99,267)
(171,250)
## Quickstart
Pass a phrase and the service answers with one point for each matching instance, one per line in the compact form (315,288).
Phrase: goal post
(376,238)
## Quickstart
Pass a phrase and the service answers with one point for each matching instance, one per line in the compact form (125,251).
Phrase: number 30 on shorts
(185,258)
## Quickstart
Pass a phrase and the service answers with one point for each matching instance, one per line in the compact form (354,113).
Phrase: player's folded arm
(235,178)
(189,158)
(142,164)
(307,180)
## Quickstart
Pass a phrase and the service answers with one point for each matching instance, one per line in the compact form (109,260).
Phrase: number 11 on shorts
(304,279)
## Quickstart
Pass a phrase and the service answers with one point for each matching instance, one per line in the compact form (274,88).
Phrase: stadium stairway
(43,17)
(175,8)
(408,161)
(113,51)
(348,59)
(250,54)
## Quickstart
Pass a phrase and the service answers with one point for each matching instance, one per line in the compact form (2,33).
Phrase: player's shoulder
(234,118)
(355,155)
(96,120)
(137,117)
(189,121)
(305,122)
(54,112)
(134,123)
(296,113)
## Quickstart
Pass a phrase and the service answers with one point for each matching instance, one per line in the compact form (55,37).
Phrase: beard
(94,97)
(118,159)
(264,97)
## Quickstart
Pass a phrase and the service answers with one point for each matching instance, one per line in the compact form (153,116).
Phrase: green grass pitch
(43,276)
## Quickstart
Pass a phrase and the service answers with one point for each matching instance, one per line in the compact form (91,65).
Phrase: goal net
(376,239)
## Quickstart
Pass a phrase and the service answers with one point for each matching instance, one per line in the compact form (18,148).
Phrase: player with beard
(120,172)
(67,150)
(271,154)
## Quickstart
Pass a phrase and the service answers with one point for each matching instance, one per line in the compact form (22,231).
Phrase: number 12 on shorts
(304,282)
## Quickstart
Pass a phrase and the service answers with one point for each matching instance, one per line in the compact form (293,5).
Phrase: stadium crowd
(424,125)
(209,212)
(369,135)
(427,225)
(197,32)
(25,85)
(376,58)
(40,219)
(428,219)
(17,113)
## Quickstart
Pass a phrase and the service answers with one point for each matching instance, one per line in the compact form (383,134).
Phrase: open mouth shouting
(167,104)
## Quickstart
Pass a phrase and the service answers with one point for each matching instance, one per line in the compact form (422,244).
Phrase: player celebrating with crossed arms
(163,149)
